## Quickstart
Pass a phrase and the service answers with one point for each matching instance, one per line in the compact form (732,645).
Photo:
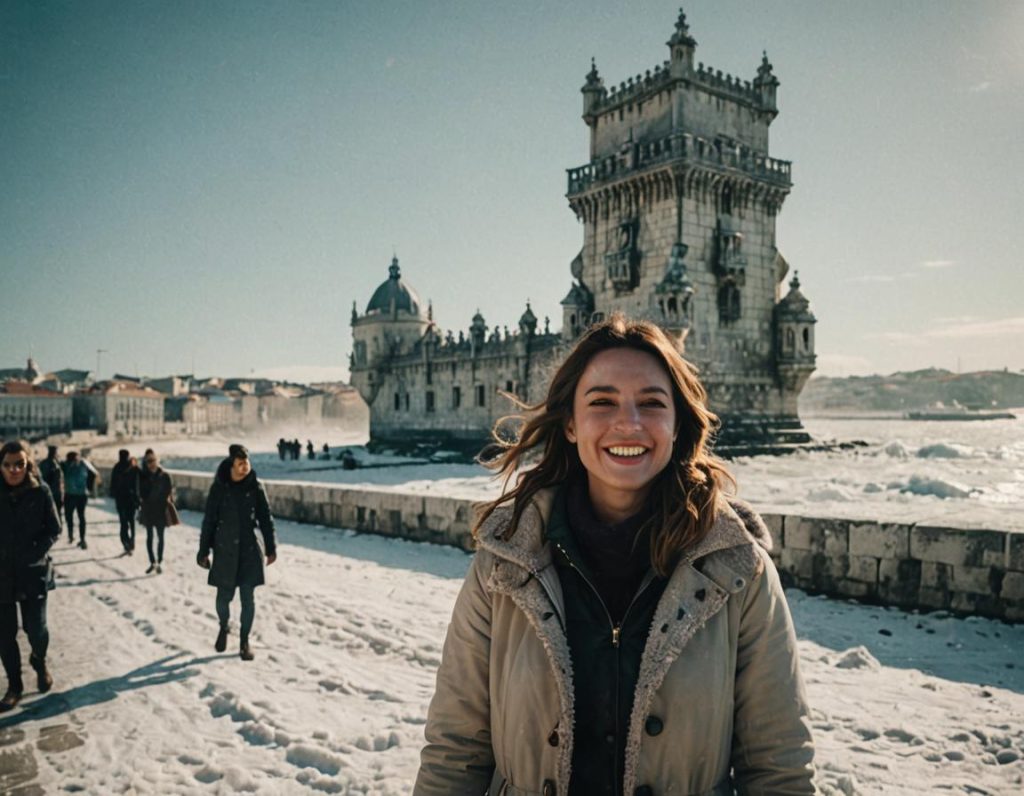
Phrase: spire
(593,90)
(682,32)
(764,71)
(681,46)
(765,84)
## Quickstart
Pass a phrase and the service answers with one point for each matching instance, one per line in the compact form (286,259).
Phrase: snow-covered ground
(348,635)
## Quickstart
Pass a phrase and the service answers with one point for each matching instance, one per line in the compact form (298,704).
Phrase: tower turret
(794,337)
(766,84)
(682,47)
(593,92)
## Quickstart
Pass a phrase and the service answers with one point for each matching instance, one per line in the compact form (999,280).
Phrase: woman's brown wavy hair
(684,495)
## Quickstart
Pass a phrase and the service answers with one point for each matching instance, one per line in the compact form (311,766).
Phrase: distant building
(678,203)
(30,373)
(120,408)
(31,412)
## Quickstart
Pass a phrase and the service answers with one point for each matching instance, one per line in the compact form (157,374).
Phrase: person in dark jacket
(155,490)
(236,505)
(53,476)
(78,473)
(29,527)
(124,488)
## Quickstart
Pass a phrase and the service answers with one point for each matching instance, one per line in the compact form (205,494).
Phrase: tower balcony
(682,149)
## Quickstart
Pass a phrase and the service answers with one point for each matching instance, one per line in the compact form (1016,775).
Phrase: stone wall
(911,566)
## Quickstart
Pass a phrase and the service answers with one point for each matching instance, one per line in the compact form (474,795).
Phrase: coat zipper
(616,636)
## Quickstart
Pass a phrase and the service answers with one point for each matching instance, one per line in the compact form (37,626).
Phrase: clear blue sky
(216,182)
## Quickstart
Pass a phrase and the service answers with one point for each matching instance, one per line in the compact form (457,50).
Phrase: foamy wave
(939,487)
(943,450)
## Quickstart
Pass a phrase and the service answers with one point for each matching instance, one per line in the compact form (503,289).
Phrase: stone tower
(678,204)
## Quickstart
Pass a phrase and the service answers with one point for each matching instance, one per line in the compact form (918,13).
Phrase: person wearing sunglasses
(29,527)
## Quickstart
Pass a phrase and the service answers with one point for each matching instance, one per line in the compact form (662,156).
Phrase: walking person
(155,491)
(29,527)
(236,504)
(124,488)
(622,628)
(79,475)
(53,476)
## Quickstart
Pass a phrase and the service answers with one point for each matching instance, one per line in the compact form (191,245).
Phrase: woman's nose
(628,416)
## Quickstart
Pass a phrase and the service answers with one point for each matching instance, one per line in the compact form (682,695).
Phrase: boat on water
(958,413)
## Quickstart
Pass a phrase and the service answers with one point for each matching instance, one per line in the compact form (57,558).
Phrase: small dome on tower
(394,294)
(794,306)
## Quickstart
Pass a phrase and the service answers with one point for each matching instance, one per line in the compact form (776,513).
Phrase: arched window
(790,340)
(728,303)
(807,339)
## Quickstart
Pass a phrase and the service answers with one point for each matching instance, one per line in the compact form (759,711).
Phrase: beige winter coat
(719,670)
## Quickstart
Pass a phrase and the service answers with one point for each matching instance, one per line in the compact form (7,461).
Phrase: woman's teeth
(631,450)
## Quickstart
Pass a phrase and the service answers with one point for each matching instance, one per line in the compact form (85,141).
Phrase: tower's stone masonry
(678,203)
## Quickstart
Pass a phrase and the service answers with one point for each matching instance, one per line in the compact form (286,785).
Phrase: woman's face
(15,467)
(623,424)
(240,469)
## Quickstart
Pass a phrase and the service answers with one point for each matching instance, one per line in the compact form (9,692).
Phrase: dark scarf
(618,556)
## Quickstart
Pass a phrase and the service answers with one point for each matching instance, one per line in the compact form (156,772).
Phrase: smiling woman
(622,629)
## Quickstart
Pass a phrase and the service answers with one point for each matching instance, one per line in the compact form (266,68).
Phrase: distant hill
(919,389)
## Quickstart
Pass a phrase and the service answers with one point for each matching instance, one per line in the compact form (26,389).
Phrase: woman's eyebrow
(611,388)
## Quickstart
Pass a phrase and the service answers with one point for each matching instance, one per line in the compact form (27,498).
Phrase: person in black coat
(52,475)
(29,527)
(124,487)
(155,490)
(236,505)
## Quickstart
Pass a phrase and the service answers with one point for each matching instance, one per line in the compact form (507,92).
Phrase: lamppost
(99,353)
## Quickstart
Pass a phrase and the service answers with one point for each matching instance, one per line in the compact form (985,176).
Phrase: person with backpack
(79,477)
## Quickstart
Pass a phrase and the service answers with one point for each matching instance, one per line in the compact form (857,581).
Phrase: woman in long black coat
(236,505)
(29,526)
(155,492)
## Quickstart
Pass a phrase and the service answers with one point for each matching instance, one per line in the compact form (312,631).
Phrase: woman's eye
(601,402)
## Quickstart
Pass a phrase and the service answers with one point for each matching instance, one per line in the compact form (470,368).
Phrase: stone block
(936,576)
(1015,551)
(1013,586)
(933,598)
(863,569)
(775,528)
(798,565)
(855,588)
(880,540)
(1014,611)
(820,535)
(977,604)
(955,546)
(899,581)
(982,580)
